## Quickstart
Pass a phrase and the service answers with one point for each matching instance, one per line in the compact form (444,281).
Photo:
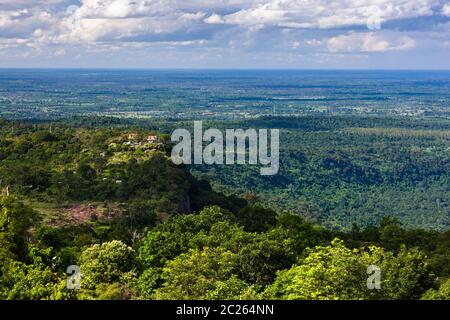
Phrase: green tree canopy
(337,272)
(195,274)
(108,263)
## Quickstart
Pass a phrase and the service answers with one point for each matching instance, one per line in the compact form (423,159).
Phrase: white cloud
(10,43)
(324,13)
(446,9)
(214,19)
(369,42)
(23,22)
(331,27)
(112,20)
(107,20)
(314,42)
(60,52)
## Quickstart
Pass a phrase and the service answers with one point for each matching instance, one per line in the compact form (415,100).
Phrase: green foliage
(107,263)
(443,293)
(172,238)
(99,200)
(406,276)
(34,281)
(148,282)
(15,221)
(256,218)
(337,272)
(194,274)
(224,234)
(300,234)
(269,255)
(51,237)
(142,213)
(31,282)
(337,171)
(112,291)
(230,289)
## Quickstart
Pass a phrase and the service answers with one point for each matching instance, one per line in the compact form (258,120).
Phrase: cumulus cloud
(22,23)
(446,9)
(214,19)
(11,43)
(303,26)
(102,20)
(369,42)
(324,13)
(14,4)
(60,52)
(105,20)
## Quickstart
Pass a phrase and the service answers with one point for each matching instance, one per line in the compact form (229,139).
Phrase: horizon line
(214,69)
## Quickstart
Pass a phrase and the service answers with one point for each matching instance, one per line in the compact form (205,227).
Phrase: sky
(293,34)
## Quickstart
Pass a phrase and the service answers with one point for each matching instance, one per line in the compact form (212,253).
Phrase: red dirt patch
(87,212)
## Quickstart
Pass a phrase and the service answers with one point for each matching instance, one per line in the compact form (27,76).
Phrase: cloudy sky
(369,34)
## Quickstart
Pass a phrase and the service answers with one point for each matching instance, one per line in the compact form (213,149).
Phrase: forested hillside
(111,201)
(343,170)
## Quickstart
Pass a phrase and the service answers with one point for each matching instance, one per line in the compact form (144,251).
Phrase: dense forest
(339,171)
(109,200)
(336,170)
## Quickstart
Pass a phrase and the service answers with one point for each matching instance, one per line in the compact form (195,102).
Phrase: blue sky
(345,34)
